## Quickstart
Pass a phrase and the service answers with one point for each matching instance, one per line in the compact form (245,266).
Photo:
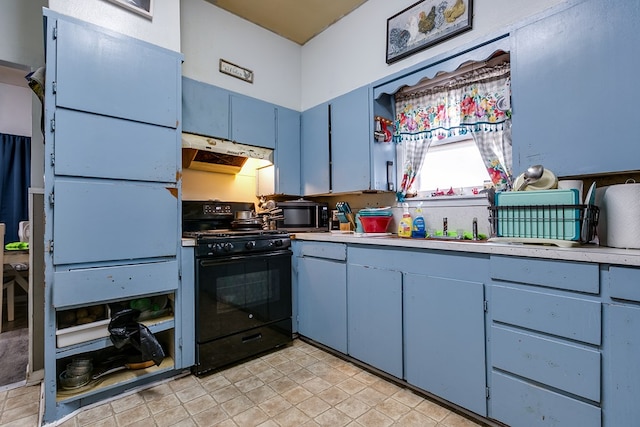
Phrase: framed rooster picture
(425,24)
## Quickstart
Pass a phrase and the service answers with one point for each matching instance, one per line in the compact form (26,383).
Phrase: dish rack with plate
(562,225)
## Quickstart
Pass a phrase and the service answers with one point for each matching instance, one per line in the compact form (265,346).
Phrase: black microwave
(303,216)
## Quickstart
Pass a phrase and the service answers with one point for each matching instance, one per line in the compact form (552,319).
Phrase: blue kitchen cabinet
(253,121)
(315,161)
(336,145)
(287,154)
(426,313)
(621,369)
(545,342)
(321,283)
(374,317)
(205,109)
(571,74)
(351,136)
(112,229)
(444,338)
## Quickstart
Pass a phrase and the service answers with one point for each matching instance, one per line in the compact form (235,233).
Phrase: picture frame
(236,71)
(141,7)
(424,24)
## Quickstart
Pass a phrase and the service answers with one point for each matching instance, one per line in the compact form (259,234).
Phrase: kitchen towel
(619,222)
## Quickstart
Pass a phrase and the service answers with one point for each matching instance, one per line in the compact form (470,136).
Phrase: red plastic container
(375,224)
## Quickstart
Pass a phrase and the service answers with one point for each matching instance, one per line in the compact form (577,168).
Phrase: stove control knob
(250,244)
(228,247)
(278,242)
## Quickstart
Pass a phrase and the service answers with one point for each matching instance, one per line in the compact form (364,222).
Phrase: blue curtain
(15,178)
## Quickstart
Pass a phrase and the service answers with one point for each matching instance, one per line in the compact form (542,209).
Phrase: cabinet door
(444,339)
(578,64)
(351,138)
(322,301)
(374,307)
(205,109)
(253,121)
(287,154)
(621,369)
(98,73)
(315,151)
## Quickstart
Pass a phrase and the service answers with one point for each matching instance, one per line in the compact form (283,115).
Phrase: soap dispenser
(406,223)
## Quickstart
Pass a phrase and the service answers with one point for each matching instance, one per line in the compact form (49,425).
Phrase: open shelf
(115,379)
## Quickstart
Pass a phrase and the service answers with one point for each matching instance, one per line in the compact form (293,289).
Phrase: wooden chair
(10,277)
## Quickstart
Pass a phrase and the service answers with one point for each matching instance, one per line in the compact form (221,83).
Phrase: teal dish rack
(543,217)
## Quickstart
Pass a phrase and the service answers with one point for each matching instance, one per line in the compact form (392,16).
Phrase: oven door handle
(208,261)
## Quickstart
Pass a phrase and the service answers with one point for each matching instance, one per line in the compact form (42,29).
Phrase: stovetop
(225,234)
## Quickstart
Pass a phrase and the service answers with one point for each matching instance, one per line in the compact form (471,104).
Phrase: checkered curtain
(476,103)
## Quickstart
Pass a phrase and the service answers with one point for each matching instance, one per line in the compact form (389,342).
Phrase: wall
(21,41)
(15,109)
(210,33)
(163,30)
(352,52)
(199,185)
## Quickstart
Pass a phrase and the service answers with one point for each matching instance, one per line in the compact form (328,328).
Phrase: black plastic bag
(124,329)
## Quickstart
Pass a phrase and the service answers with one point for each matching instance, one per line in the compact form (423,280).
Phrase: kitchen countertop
(585,253)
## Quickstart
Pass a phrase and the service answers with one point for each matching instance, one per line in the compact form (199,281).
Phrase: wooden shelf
(114,379)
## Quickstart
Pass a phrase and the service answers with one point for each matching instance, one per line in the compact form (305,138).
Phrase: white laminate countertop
(584,253)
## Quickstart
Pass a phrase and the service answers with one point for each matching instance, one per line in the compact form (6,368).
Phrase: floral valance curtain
(476,104)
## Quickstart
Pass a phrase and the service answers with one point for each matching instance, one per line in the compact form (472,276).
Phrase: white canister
(565,184)
(619,222)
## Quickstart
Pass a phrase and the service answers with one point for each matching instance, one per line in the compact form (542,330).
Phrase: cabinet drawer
(567,317)
(567,367)
(88,286)
(335,251)
(624,283)
(573,276)
(518,403)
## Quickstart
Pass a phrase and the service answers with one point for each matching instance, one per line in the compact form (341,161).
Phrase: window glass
(451,163)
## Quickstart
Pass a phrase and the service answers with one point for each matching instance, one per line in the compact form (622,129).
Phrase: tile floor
(300,385)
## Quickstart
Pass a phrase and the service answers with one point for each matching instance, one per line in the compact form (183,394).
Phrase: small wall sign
(236,71)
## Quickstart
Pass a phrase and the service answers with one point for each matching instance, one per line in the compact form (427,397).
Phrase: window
(454,132)
(451,163)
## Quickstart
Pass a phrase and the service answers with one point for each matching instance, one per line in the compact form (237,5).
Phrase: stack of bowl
(375,220)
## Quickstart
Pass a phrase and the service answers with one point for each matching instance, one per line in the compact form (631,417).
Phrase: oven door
(237,293)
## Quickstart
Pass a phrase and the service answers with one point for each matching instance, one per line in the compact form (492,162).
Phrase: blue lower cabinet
(522,403)
(374,314)
(444,339)
(622,365)
(322,301)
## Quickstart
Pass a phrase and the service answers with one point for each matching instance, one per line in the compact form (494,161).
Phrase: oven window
(241,293)
(242,289)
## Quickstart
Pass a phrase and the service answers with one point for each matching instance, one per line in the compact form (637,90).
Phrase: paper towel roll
(619,223)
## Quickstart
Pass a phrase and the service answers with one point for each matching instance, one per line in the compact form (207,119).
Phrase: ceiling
(296,20)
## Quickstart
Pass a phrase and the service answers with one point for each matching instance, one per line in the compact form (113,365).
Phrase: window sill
(455,200)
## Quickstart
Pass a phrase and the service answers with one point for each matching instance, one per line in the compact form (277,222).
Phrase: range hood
(218,155)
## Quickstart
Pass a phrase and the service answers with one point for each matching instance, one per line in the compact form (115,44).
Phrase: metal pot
(243,215)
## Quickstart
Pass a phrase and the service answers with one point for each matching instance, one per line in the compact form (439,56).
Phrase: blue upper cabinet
(315,150)
(155,99)
(205,109)
(287,154)
(253,121)
(212,111)
(350,141)
(336,139)
(573,80)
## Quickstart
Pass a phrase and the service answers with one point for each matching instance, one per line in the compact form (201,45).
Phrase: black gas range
(243,285)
